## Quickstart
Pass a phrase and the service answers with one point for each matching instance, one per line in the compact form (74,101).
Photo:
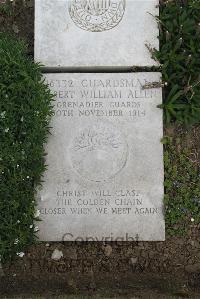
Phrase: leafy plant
(182,191)
(179,55)
(25,111)
(6,7)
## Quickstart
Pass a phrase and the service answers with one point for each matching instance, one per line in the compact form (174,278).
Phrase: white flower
(22,119)
(3,114)
(37,213)
(21,254)
(31,226)
(36,229)
(16,241)
(192,219)
(18,221)
(28,177)
(6,130)
(17,165)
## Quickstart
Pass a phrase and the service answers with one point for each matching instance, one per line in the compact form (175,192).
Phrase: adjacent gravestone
(105,164)
(95,33)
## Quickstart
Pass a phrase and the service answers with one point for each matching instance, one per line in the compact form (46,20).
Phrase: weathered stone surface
(105,161)
(95,33)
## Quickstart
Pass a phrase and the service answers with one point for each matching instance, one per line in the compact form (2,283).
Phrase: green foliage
(25,111)
(179,55)
(6,7)
(182,187)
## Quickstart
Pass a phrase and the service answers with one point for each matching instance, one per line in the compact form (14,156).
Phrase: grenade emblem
(97,7)
(98,151)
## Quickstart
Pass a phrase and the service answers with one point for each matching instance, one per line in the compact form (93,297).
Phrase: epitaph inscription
(105,167)
(97,15)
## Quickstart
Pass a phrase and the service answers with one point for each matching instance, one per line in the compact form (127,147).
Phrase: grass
(25,111)
(179,56)
(182,181)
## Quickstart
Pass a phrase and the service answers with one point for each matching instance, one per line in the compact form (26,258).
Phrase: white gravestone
(105,160)
(95,33)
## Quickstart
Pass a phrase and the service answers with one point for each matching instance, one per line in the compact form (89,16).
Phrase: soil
(140,269)
(170,267)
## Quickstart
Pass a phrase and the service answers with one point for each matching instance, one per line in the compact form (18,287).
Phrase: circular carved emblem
(98,152)
(96,15)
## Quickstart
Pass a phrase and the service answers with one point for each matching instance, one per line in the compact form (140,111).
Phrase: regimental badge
(98,152)
(97,15)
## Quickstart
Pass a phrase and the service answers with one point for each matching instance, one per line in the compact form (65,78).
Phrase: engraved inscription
(96,15)
(105,175)
(99,152)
